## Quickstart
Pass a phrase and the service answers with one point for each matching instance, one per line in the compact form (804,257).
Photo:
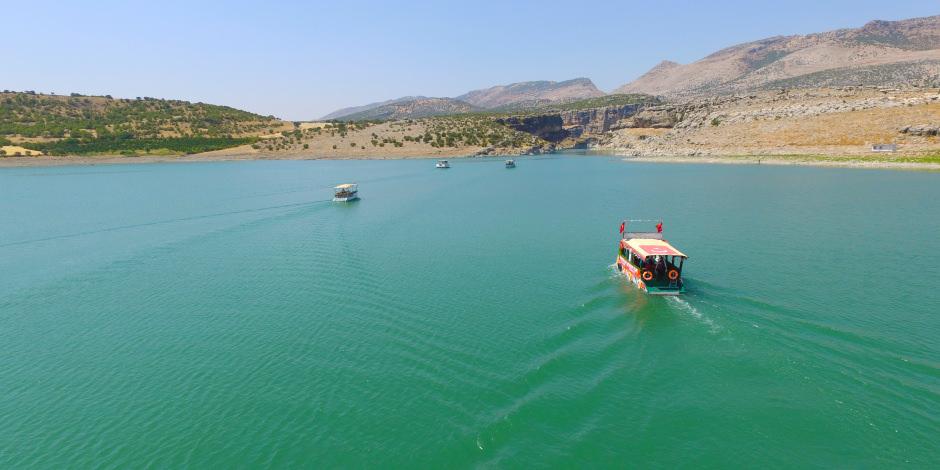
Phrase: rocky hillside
(528,94)
(339,113)
(822,121)
(515,96)
(412,109)
(881,53)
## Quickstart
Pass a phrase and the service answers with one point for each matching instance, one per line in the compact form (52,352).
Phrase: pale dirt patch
(12,150)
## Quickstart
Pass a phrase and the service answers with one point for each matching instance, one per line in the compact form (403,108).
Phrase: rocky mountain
(884,53)
(523,95)
(339,113)
(538,92)
(412,109)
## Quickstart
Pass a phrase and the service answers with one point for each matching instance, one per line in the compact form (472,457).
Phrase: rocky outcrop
(549,127)
(924,130)
(598,120)
(585,123)
(655,117)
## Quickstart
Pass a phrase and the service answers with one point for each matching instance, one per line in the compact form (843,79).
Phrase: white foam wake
(686,307)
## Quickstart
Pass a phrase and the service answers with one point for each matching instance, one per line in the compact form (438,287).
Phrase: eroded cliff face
(654,117)
(574,128)
(598,120)
(549,127)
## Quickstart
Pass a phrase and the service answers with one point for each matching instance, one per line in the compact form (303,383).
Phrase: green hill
(75,125)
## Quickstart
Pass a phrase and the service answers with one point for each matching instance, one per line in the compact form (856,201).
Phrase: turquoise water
(228,315)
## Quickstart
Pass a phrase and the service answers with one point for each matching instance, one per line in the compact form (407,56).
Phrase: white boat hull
(345,199)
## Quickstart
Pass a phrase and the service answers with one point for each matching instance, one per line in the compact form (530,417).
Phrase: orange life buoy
(673,275)
(647,275)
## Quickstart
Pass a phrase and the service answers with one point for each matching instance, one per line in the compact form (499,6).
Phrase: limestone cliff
(573,126)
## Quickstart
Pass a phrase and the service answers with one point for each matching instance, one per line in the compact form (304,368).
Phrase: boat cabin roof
(651,247)
(346,186)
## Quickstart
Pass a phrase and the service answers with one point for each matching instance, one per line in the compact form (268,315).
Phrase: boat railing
(652,235)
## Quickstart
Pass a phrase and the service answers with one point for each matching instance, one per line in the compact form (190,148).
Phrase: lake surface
(227,314)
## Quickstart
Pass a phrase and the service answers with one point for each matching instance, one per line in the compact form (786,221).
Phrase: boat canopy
(645,247)
(346,186)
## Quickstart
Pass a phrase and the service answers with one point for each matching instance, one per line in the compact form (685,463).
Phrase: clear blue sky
(300,60)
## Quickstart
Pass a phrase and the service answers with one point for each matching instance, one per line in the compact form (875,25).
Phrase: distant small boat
(649,261)
(442,164)
(510,164)
(346,192)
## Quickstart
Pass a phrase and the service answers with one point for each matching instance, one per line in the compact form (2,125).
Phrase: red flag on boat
(659,227)
(621,227)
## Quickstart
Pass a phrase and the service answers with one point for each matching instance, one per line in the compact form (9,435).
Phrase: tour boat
(649,261)
(346,192)
(510,164)
(442,164)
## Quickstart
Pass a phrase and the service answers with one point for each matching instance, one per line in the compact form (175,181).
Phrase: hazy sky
(300,60)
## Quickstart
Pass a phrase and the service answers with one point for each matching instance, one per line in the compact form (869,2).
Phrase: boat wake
(614,272)
(684,306)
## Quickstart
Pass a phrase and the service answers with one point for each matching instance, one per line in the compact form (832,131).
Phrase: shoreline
(92,160)
(794,160)
(779,160)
